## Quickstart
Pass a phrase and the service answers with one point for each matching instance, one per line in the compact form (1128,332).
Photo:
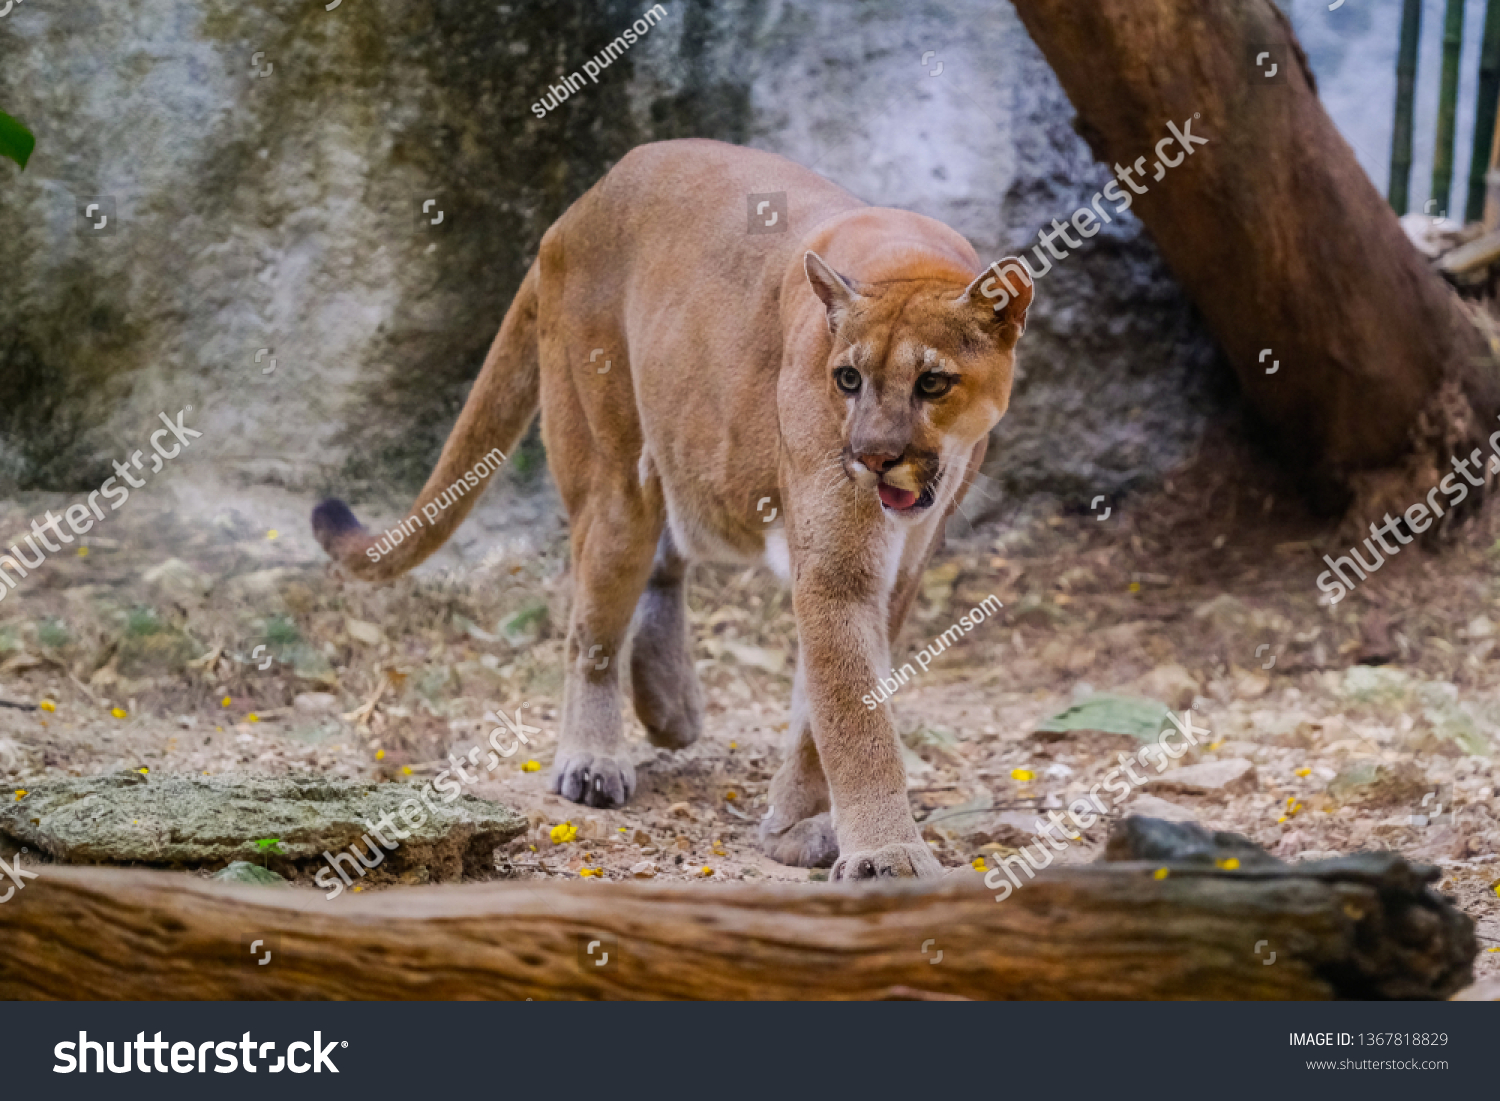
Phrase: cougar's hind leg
(797,828)
(668,698)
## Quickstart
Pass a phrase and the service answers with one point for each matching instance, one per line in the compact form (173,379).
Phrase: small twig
(85,689)
(18,706)
(366,711)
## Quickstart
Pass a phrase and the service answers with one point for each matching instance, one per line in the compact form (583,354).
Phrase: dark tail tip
(331,521)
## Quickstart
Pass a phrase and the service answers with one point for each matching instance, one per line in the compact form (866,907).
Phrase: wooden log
(1362,927)
(1273,227)
(1472,258)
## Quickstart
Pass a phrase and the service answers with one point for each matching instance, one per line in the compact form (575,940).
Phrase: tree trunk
(1361,927)
(1273,228)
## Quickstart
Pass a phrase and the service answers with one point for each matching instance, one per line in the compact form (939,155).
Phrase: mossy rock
(209,821)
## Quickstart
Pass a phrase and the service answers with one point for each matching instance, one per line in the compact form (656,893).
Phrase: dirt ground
(1371,724)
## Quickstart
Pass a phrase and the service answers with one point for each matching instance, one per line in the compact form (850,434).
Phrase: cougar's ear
(835,291)
(1001,295)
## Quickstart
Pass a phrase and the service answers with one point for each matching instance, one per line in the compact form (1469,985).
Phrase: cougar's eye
(930,385)
(847,379)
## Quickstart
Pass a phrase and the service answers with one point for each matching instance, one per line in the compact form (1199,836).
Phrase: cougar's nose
(878,461)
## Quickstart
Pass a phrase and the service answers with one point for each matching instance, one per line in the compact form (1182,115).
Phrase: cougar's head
(923,369)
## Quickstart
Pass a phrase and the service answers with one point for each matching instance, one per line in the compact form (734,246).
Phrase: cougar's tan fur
(817,399)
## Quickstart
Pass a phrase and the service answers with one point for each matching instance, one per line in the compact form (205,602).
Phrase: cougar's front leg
(843,609)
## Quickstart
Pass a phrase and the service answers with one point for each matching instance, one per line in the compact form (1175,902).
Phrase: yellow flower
(83,552)
(707,870)
(531,766)
(225,702)
(1161,873)
(252,718)
(118,712)
(143,771)
(272,534)
(20,794)
(734,745)
(380,754)
(730,795)
(1022,774)
(1135,586)
(406,770)
(1304,772)
(564,833)
(1229,863)
(47,705)
(586,872)
(979,864)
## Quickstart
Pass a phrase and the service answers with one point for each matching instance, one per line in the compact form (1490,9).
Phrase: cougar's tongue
(896,497)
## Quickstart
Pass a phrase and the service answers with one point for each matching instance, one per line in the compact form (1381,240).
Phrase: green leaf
(16,142)
(268,843)
(1141,719)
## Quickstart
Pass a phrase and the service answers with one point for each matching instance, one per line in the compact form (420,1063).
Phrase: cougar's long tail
(500,407)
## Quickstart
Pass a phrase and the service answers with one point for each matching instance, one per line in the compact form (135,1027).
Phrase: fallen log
(1364,926)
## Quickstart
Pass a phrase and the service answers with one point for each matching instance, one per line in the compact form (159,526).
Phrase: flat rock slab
(203,821)
(1208,778)
(1149,806)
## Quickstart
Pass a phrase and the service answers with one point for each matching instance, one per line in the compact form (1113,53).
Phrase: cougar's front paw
(908,859)
(594,781)
(810,843)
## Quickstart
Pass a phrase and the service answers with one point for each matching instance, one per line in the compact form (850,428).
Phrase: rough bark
(1273,228)
(1362,927)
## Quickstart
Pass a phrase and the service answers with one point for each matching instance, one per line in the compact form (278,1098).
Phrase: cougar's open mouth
(901,499)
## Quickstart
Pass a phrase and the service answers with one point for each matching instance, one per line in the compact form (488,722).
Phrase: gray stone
(1171,683)
(177,581)
(316,703)
(1149,806)
(128,818)
(1208,777)
(242,871)
(267,162)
